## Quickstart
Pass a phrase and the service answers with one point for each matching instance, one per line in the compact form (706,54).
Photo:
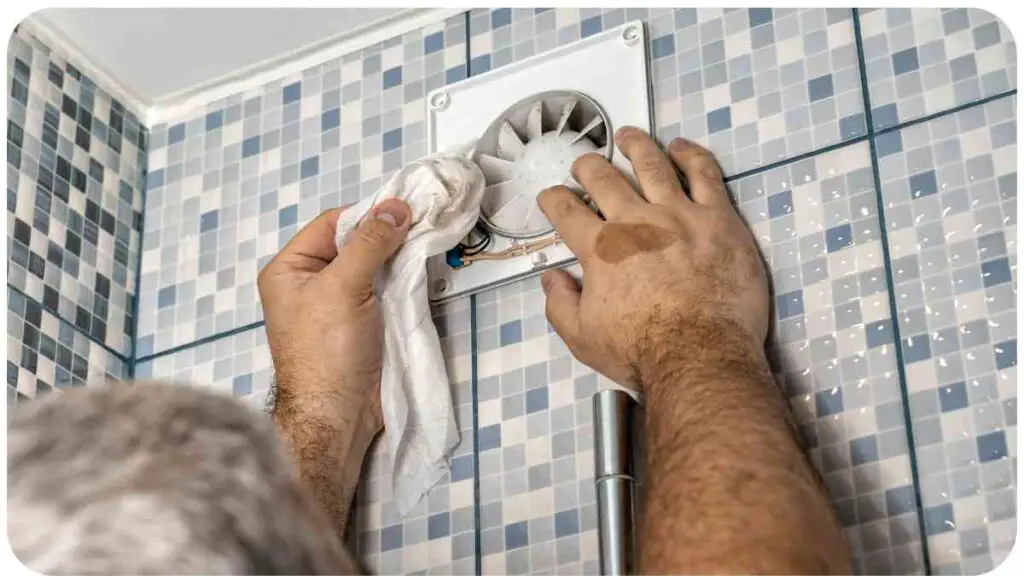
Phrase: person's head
(150,478)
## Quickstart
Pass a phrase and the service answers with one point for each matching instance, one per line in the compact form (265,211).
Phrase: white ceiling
(159,52)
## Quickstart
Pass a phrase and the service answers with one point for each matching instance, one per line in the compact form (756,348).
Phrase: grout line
(92,339)
(201,341)
(474,382)
(138,267)
(891,288)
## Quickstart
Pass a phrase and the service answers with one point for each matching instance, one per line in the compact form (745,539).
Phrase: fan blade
(496,197)
(495,169)
(512,215)
(597,121)
(535,219)
(535,121)
(510,147)
(566,112)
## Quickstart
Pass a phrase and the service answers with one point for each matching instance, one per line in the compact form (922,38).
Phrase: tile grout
(891,289)
(138,270)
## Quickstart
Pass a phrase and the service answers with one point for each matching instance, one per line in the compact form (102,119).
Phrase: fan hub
(547,160)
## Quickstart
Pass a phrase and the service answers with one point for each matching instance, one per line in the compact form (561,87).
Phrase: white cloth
(444,193)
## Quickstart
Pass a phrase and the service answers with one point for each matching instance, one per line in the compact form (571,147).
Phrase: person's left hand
(324,324)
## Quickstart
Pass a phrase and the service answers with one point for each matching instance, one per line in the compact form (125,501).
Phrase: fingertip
(395,212)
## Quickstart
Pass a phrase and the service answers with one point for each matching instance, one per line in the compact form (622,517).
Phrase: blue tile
(863,450)
(391,537)
(939,519)
(590,26)
(820,88)
(838,238)
(790,304)
(996,272)
(664,46)
(567,523)
(879,333)
(1006,354)
(214,120)
(391,77)
(480,64)
(900,500)
(291,93)
(916,349)
(176,134)
(992,446)
(516,535)
(501,17)
(780,204)
(719,120)
(371,65)
(433,43)
(250,146)
(155,179)
(439,526)
(309,167)
(489,437)
(759,16)
(208,221)
(144,346)
(287,216)
(242,385)
(828,402)
(885,116)
(853,125)
(904,61)
(455,74)
(462,468)
(953,397)
(330,119)
(536,400)
(923,184)
(391,139)
(511,333)
(166,297)
(889,143)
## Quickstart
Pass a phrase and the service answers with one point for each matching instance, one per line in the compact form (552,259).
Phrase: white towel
(444,193)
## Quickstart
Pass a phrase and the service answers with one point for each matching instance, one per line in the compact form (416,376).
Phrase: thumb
(376,239)
(562,305)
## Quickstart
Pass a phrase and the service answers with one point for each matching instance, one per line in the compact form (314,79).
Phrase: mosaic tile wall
(75,171)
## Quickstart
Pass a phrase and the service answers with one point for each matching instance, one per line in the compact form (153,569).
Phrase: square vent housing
(528,121)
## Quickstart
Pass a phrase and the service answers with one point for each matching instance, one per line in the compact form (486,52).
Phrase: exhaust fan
(530,121)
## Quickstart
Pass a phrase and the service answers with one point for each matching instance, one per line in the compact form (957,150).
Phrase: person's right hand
(669,277)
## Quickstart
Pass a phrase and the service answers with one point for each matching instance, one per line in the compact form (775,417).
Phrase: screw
(631,35)
(439,100)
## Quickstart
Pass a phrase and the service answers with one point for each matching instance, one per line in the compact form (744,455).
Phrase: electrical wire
(514,251)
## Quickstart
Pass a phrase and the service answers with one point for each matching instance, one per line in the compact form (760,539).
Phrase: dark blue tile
(309,167)
(166,297)
(664,46)
(900,500)
(214,120)
(939,519)
(904,61)
(250,146)
(916,349)
(759,16)
(330,119)
(996,272)
(391,140)
(511,333)
(455,74)
(720,119)
(242,385)
(392,77)
(864,450)
(790,304)
(838,238)
(287,216)
(501,17)
(828,402)
(567,523)
(923,184)
(516,535)
(155,179)
(879,333)
(992,446)
(433,43)
(462,468)
(176,133)
(820,88)
(291,93)
(536,400)
(208,221)
(885,116)
(590,26)
(489,437)
(889,143)
(1006,354)
(391,537)
(853,125)
(953,397)
(480,64)
(439,526)
(780,204)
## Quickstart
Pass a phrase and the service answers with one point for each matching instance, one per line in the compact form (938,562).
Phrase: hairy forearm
(728,488)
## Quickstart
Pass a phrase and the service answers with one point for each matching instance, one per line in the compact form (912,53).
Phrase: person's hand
(324,324)
(668,275)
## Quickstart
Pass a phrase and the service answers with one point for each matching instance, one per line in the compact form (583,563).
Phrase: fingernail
(394,213)
(387,217)
(677,143)
(623,132)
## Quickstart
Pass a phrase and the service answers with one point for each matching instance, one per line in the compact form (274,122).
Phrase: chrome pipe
(615,479)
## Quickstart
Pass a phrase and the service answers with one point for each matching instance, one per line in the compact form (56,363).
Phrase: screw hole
(631,35)
(441,286)
(439,100)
